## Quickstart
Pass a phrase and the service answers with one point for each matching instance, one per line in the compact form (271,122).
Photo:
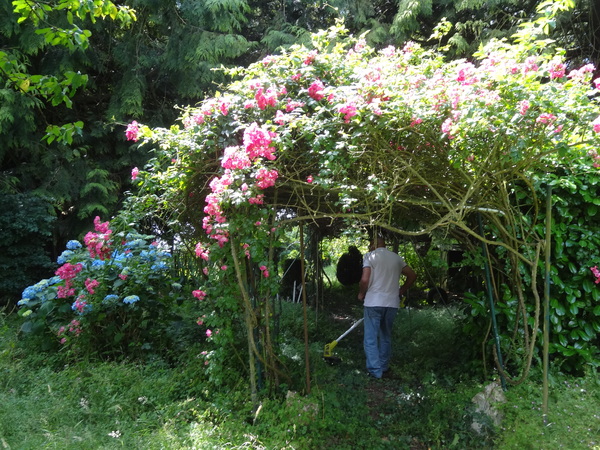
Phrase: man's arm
(411,277)
(363,284)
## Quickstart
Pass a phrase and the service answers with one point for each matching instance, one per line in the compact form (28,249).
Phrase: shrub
(112,295)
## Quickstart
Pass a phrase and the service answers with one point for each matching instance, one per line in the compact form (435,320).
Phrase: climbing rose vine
(342,130)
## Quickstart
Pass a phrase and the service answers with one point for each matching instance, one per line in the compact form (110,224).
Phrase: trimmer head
(328,350)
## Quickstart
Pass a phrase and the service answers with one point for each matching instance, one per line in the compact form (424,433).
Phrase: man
(379,289)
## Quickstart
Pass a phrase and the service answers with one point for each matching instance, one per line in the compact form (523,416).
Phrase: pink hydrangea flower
(134,173)
(79,305)
(90,285)
(65,291)
(68,271)
(209,333)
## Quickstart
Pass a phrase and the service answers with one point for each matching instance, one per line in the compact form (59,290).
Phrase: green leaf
(563,340)
(587,285)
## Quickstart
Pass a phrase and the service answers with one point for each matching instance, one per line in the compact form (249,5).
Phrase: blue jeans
(379,321)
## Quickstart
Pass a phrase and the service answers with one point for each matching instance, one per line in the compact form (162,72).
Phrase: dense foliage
(26,228)
(73,73)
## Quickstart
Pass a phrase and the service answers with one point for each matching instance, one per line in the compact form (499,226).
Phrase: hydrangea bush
(112,294)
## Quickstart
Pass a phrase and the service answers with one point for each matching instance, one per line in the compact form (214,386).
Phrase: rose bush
(397,138)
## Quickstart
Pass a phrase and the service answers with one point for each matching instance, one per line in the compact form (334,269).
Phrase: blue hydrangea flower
(73,245)
(148,255)
(98,263)
(136,243)
(130,299)
(39,290)
(29,293)
(110,299)
(160,265)
(120,256)
(65,256)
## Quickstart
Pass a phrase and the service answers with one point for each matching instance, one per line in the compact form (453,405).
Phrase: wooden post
(306,349)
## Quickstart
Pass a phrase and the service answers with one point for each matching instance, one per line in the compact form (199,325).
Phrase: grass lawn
(158,404)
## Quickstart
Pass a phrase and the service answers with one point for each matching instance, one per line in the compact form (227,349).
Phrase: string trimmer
(328,351)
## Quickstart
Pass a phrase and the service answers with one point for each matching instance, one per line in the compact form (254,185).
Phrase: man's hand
(363,284)
(411,277)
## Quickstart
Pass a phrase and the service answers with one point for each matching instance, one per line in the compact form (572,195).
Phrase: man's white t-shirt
(384,284)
